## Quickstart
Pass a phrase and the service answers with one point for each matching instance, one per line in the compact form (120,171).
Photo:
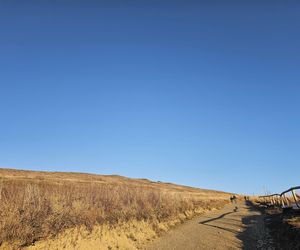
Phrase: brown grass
(36,205)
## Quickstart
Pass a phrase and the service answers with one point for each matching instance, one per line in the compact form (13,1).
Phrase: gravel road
(222,229)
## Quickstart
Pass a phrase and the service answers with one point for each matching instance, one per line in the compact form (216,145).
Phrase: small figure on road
(233,201)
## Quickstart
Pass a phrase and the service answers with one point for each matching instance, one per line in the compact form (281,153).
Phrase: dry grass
(36,205)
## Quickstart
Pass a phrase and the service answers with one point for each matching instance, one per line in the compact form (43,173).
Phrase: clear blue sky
(200,93)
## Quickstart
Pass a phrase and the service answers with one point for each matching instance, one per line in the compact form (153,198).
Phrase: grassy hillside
(44,207)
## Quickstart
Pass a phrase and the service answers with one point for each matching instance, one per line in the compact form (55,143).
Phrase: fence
(287,199)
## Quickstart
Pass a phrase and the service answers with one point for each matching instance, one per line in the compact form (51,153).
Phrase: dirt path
(222,229)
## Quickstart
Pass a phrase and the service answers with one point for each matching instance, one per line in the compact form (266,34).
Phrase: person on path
(233,200)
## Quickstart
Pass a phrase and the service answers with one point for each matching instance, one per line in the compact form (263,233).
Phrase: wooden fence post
(295,198)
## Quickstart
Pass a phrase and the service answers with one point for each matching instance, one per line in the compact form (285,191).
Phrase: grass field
(40,210)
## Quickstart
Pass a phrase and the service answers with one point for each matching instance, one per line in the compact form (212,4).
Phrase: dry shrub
(31,209)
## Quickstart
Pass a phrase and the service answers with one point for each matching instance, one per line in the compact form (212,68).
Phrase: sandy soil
(221,229)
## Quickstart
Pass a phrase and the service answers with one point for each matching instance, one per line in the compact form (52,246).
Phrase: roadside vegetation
(36,206)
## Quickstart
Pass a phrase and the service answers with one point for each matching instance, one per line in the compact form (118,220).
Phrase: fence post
(295,198)
(282,201)
(286,201)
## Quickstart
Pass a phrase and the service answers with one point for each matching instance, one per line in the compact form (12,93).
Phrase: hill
(85,211)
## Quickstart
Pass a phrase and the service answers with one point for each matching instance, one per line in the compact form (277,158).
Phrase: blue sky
(200,93)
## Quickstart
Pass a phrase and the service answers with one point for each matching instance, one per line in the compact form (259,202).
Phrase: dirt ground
(222,229)
(284,227)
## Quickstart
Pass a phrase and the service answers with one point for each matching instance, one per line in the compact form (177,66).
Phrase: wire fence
(287,199)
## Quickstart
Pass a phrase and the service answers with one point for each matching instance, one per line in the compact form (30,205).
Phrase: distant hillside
(48,209)
(57,177)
